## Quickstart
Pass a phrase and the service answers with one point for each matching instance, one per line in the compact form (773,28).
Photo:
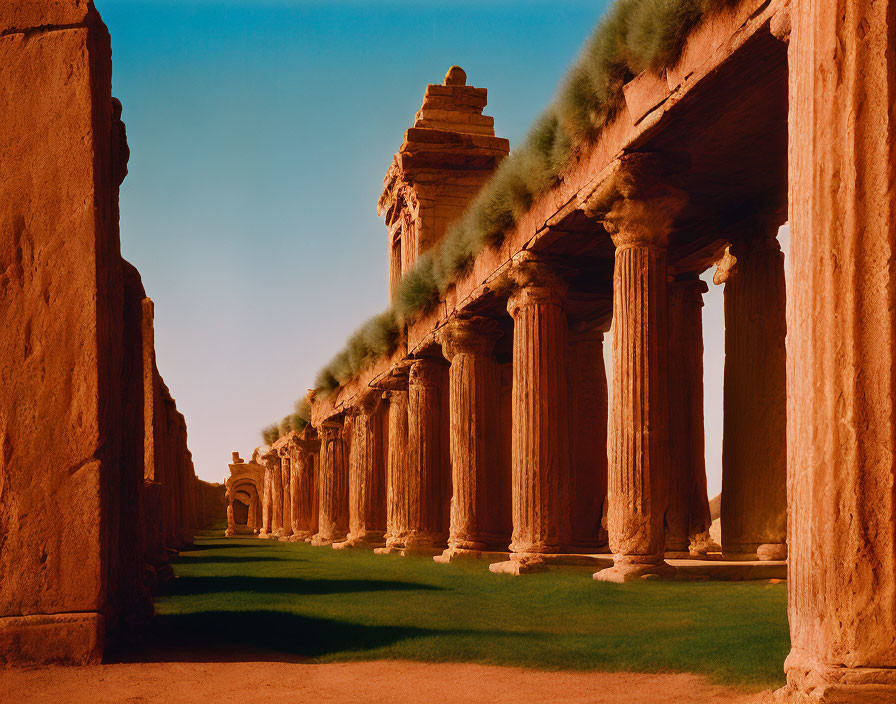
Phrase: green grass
(285,600)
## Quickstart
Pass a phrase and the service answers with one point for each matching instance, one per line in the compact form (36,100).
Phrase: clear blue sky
(260,132)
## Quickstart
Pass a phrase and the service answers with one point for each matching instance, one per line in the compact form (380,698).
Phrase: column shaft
(367,475)
(276,497)
(286,481)
(333,514)
(639,464)
(266,503)
(474,397)
(397,514)
(540,434)
(841,404)
(425,529)
(754,444)
(687,518)
(587,381)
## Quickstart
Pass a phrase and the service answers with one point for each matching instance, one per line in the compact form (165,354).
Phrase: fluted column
(474,396)
(367,475)
(286,483)
(841,347)
(267,504)
(587,382)
(304,495)
(397,514)
(425,466)
(276,495)
(540,442)
(754,444)
(639,214)
(687,518)
(333,514)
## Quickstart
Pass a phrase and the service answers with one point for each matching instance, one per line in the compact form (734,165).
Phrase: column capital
(367,403)
(396,395)
(426,371)
(535,281)
(637,202)
(330,429)
(269,458)
(474,336)
(688,288)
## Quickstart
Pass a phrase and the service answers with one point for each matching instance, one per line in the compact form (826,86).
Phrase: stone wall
(96,482)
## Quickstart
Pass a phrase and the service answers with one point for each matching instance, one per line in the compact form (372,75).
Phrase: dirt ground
(354,683)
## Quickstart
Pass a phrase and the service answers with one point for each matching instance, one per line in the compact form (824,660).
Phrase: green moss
(633,36)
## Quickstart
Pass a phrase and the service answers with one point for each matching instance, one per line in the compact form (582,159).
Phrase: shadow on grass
(230,559)
(256,636)
(287,585)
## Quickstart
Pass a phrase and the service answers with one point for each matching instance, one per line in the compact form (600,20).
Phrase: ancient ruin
(97,488)
(502,436)
(486,425)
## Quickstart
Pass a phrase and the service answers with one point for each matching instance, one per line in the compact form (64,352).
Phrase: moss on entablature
(633,36)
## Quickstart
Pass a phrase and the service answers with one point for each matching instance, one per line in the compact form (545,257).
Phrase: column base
(386,550)
(765,552)
(811,682)
(285,538)
(520,564)
(322,541)
(44,639)
(229,532)
(368,541)
(625,571)
(453,554)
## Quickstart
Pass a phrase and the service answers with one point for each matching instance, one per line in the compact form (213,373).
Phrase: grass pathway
(290,600)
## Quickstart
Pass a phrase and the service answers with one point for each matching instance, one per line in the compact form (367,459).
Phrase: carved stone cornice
(473,336)
(638,201)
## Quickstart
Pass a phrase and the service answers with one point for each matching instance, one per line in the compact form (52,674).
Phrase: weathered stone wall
(95,478)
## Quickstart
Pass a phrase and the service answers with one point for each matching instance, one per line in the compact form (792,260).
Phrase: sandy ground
(354,683)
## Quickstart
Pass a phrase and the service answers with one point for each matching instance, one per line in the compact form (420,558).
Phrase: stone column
(540,445)
(231,523)
(333,515)
(253,514)
(267,503)
(276,495)
(587,382)
(367,475)
(754,443)
(304,497)
(639,213)
(397,518)
(687,518)
(474,397)
(425,531)
(286,483)
(841,405)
